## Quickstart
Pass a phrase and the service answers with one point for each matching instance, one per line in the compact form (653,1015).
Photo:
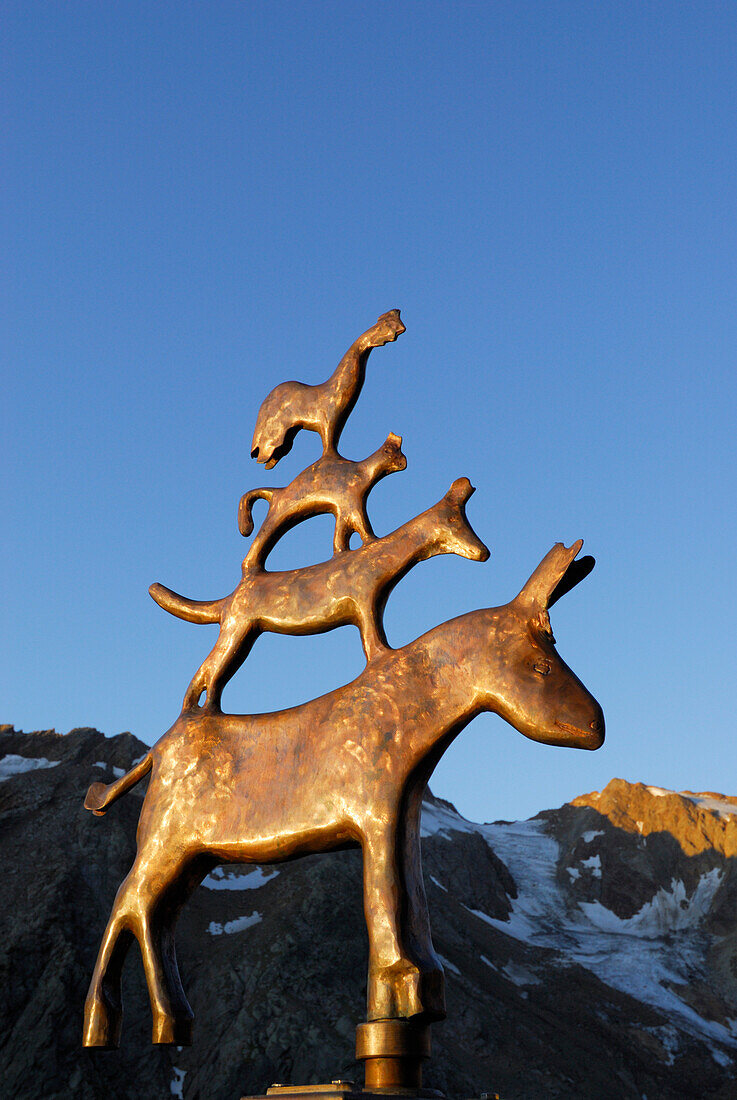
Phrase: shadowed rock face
(586,955)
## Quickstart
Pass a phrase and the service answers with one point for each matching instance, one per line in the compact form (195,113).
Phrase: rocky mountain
(589,952)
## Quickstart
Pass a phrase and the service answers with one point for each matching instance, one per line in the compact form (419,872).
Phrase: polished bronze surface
(332,484)
(351,587)
(393,1052)
(348,769)
(323,409)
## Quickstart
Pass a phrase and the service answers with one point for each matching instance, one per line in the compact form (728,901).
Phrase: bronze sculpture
(352,587)
(323,409)
(347,769)
(333,485)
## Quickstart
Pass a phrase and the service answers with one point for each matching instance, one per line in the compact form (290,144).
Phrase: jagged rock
(589,952)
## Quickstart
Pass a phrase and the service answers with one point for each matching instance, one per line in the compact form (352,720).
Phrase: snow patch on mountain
(220,879)
(448,965)
(524,846)
(439,820)
(723,807)
(12,765)
(644,956)
(520,975)
(240,924)
(593,864)
(669,1040)
(715,804)
(117,772)
(176,1085)
(668,911)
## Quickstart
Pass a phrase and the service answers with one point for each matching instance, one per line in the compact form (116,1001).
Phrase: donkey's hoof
(432,995)
(405,991)
(172,1029)
(102,1025)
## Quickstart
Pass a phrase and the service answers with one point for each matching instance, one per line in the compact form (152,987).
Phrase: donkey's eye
(543,667)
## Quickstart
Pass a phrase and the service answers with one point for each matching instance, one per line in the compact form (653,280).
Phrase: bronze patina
(323,409)
(333,485)
(352,587)
(350,768)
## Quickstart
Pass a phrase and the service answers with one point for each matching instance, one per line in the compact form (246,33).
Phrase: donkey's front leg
(400,984)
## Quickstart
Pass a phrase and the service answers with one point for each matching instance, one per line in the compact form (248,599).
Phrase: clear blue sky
(201,200)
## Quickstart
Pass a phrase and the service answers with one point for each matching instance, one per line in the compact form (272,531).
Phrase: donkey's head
(531,686)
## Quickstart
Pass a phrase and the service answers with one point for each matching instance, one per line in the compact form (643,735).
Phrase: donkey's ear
(573,575)
(556,574)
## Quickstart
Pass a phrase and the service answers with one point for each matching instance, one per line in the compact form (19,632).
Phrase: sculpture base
(392,1052)
(344,1090)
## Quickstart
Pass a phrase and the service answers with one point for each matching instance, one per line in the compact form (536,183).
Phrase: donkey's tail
(194,611)
(245,520)
(102,795)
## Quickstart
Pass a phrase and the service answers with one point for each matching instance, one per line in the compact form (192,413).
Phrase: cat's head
(392,458)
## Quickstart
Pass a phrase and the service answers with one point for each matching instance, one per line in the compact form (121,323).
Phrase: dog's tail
(102,795)
(194,611)
(245,520)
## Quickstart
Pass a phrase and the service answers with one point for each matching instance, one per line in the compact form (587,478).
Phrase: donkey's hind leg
(172,1015)
(146,907)
(103,1009)
(159,908)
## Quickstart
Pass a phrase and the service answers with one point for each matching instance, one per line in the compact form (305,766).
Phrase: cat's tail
(194,611)
(245,519)
(100,795)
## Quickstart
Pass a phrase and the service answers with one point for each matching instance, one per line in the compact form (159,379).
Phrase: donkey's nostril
(595,725)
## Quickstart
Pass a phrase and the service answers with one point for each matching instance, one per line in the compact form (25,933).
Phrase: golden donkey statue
(348,769)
